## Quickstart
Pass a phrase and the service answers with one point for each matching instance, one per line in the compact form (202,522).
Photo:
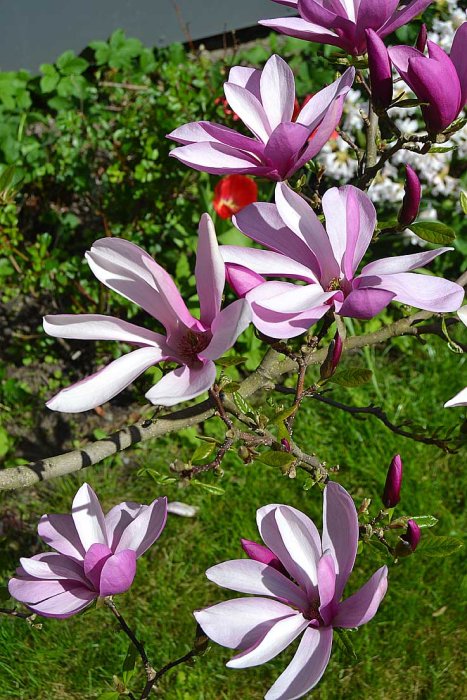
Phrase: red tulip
(232,193)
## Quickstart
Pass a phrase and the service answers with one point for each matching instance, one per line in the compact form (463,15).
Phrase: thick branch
(269,372)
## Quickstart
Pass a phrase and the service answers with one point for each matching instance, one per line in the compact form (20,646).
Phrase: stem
(150,672)
(371,136)
(151,683)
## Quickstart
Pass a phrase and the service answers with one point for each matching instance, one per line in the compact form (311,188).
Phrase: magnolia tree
(297,287)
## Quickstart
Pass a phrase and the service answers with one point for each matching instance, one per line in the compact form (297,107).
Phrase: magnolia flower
(379,66)
(95,554)
(297,581)
(300,248)
(192,343)
(343,22)
(233,193)
(264,100)
(438,79)
(459,399)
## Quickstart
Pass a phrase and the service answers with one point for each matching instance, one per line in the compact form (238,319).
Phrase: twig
(16,613)
(182,660)
(124,86)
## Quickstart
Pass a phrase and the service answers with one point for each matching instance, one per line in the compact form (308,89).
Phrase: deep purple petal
(366,303)
(94,561)
(362,606)
(458,56)
(403,16)
(263,554)
(284,147)
(118,573)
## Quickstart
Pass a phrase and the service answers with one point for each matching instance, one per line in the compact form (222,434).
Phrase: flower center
(191,344)
(334,285)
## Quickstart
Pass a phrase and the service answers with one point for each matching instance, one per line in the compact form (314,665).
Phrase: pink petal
(258,552)
(294,539)
(250,576)
(266,224)
(322,134)
(145,529)
(265,262)
(94,561)
(59,531)
(226,327)
(458,56)
(182,384)
(327,587)
(300,218)
(403,16)
(209,271)
(50,565)
(422,291)
(249,109)
(340,532)
(300,28)
(459,399)
(98,327)
(316,109)
(365,303)
(203,132)
(242,280)
(287,298)
(128,270)
(402,263)
(106,383)
(277,88)
(350,223)
(373,15)
(118,573)
(249,78)
(88,517)
(51,598)
(285,147)
(272,643)
(218,159)
(362,606)
(241,623)
(307,666)
(118,519)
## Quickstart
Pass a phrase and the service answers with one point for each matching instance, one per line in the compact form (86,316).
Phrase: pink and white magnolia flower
(327,260)
(459,399)
(264,101)
(95,554)
(343,22)
(297,590)
(192,343)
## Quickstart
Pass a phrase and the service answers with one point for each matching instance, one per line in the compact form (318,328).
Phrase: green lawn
(412,649)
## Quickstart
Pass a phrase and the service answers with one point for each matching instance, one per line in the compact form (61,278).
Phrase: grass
(412,649)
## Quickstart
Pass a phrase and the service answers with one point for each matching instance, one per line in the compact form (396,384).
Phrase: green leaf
(230,361)
(442,149)
(463,198)
(345,643)
(243,405)
(182,269)
(7,178)
(352,377)
(203,452)
(408,103)
(283,415)
(70,64)
(275,459)
(129,664)
(109,695)
(421,520)
(49,82)
(210,488)
(4,442)
(433,546)
(433,232)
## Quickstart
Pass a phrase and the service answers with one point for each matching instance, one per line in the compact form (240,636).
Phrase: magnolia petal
(106,383)
(327,587)
(287,298)
(118,519)
(145,528)
(218,159)
(421,291)
(88,517)
(459,399)
(277,86)
(276,639)
(99,327)
(403,16)
(249,78)
(250,576)
(226,327)
(209,271)
(362,606)
(350,223)
(301,29)
(59,531)
(94,561)
(118,573)
(202,132)
(285,146)
(402,263)
(249,109)
(50,565)
(265,262)
(182,384)
(306,667)
(322,134)
(315,109)
(294,539)
(366,303)
(242,280)
(458,56)
(51,598)
(242,622)
(340,532)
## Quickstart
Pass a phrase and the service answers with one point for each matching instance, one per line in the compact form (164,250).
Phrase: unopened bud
(379,64)
(241,279)
(285,445)
(413,534)
(260,553)
(333,356)
(420,44)
(392,487)
(411,202)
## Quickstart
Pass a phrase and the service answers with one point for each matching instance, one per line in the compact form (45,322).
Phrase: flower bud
(413,534)
(333,356)
(379,65)
(260,553)
(420,44)
(392,487)
(241,279)
(286,445)
(411,202)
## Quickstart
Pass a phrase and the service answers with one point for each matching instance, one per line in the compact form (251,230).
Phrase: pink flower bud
(420,44)
(333,356)
(413,534)
(379,64)
(337,351)
(411,202)
(259,552)
(392,487)
(285,444)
